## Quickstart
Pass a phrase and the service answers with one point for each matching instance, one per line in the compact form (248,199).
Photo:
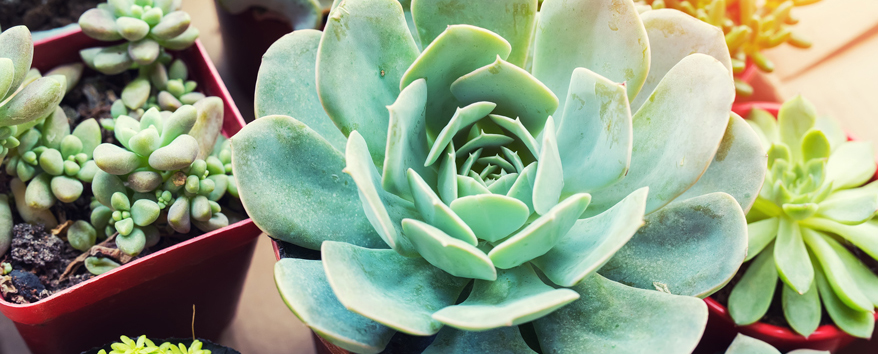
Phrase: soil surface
(41,15)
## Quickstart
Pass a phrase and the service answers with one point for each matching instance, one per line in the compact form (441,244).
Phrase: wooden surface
(839,74)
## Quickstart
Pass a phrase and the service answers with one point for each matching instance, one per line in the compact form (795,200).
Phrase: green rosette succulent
(749,345)
(416,173)
(144,345)
(149,27)
(812,211)
(159,165)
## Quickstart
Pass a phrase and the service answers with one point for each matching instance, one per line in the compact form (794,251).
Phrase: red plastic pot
(152,295)
(721,329)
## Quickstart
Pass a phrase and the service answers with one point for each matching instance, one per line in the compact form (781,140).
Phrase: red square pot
(152,295)
(721,329)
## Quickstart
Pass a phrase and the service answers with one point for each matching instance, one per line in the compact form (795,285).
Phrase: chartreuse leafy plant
(750,26)
(149,27)
(748,345)
(812,211)
(416,173)
(145,346)
(160,165)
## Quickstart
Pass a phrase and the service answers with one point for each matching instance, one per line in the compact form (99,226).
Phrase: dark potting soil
(41,15)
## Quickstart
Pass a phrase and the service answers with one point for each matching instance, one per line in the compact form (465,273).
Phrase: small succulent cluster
(811,213)
(144,345)
(562,167)
(162,163)
(149,27)
(749,26)
(749,345)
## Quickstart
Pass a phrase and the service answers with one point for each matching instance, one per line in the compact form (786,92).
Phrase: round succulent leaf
(115,160)
(81,235)
(689,107)
(457,51)
(273,153)
(145,142)
(34,101)
(846,288)
(794,119)
(39,192)
(180,122)
(452,255)
(303,286)
(407,145)
(144,212)
(286,84)
(172,25)
(66,189)
(182,41)
(856,323)
(738,168)
(513,20)
(70,146)
(193,98)
(549,179)
(51,162)
(383,210)
(366,280)
(100,265)
(132,29)
(467,186)
(505,339)
(594,133)
(491,216)
(850,206)
(16,45)
(87,171)
(124,129)
(592,242)
(144,181)
(105,185)
(208,124)
(434,212)
(178,215)
(515,91)
(144,51)
(111,60)
(752,295)
(851,165)
(568,36)
(217,221)
(199,208)
(815,145)
(748,345)
(759,235)
(365,49)
(517,296)
(791,257)
(541,235)
(133,243)
(177,155)
(612,317)
(135,93)
(30,214)
(677,247)
(802,312)
(673,35)
(221,183)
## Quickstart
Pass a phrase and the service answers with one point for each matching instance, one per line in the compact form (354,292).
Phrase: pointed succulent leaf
(852,164)
(802,311)
(135,94)
(359,64)
(752,295)
(844,285)
(567,36)
(81,235)
(850,206)
(541,235)
(760,234)
(304,287)
(452,255)
(364,279)
(436,213)
(66,189)
(594,133)
(611,317)
(16,44)
(593,241)
(178,154)
(506,339)
(54,128)
(673,35)
(795,118)
(691,106)
(180,122)
(863,277)
(518,130)
(115,160)
(676,245)
(856,323)
(793,264)
(287,75)
(277,152)
(549,180)
(145,142)
(34,101)
(407,141)
(523,187)
(861,235)
(208,124)
(457,51)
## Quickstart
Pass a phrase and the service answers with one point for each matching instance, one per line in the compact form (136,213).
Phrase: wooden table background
(839,74)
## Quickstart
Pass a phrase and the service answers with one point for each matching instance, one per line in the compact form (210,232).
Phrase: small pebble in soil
(28,285)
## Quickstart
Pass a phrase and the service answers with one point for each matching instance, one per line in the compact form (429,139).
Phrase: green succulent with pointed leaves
(417,172)
(144,345)
(748,345)
(160,165)
(149,27)
(812,211)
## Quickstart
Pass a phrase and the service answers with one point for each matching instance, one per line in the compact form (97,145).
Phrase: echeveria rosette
(471,169)
(812,209)
(749,345)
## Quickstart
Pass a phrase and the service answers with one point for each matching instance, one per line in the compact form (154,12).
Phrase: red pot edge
(201,64)
(823,333)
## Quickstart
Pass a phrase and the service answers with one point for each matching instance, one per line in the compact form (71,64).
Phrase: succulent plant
(811,212)
(419,172)
(159,165)
(749,345)
(25,97)
(149,27)
(6,225)
(750,27)
(145,346)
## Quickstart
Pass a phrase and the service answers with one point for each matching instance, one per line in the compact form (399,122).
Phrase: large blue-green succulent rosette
(468,167)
